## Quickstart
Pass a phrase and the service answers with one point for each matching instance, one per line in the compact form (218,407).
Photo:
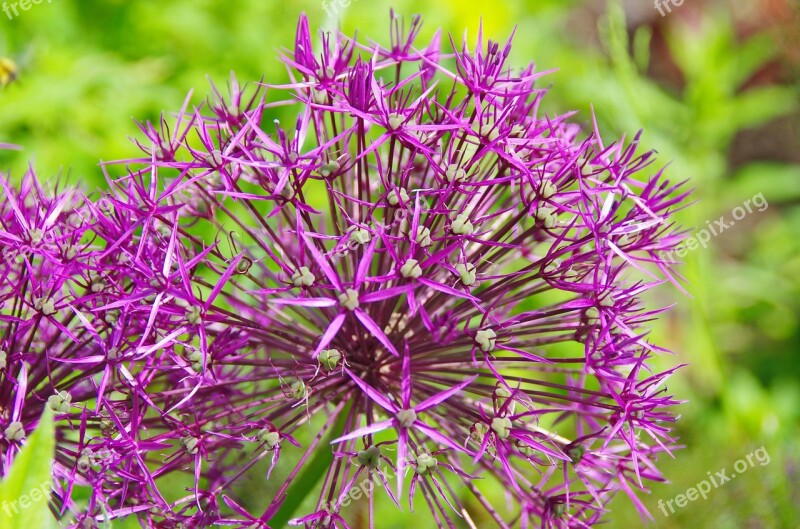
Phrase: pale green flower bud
(423,237)
(395,121)
(454,173)
(486,340)
(190,444)
(369,457)
(45,305)
(426,464)
(328,169)
(411,269)
(303,277)
(60,402)
(349,299)
(271,439)
(298,390)
(407,418)
(15,431)
(360,236)
(329,359)
(501,426)
(395,196)
(462,225)
(467,273)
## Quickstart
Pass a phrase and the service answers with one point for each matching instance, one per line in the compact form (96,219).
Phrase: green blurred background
(714,85)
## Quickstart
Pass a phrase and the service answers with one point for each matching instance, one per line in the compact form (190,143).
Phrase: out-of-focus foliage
(701,82)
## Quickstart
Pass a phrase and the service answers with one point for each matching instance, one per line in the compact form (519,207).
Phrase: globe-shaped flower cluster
(425,279)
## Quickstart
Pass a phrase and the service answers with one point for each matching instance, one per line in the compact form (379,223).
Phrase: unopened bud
(489,131)
(193,315)
(501,395)
(575,453)
(214,158)
(479,431)
(36,236)
(84,463)
(548,189)
(96,283)
(547,216)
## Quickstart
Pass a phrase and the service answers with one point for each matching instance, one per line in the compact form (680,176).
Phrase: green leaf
(25,492)
(751,56)
(761,105)
(776,181)
(641,48)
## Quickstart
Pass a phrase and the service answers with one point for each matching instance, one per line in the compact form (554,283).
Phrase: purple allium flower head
(424,275)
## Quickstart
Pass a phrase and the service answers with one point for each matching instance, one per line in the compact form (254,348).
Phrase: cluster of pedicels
(424,276)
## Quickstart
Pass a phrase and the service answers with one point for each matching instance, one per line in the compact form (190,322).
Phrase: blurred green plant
(694,129)
(740,325)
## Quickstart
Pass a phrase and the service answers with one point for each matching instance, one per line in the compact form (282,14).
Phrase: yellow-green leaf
(25,492)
